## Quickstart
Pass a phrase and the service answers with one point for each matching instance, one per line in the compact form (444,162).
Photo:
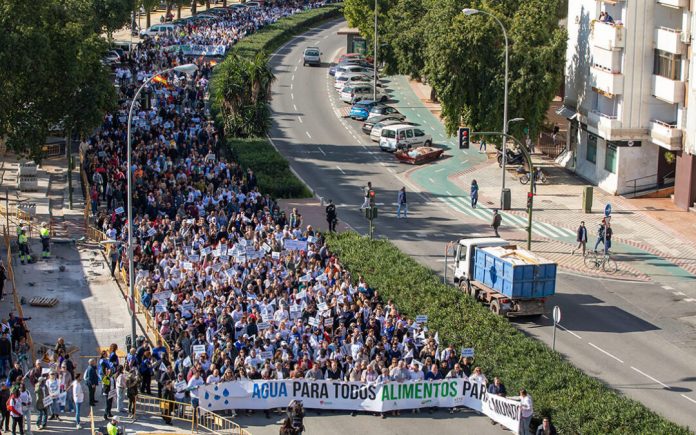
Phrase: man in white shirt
(192,386)
(526,412)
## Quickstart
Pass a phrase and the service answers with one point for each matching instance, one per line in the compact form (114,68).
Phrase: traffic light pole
(524,150)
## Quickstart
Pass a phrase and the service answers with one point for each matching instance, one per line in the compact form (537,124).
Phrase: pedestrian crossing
(509,220)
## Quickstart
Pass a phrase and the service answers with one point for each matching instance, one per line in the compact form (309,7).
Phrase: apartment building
(627,91)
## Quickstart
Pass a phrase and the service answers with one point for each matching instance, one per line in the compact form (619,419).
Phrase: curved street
(630,334)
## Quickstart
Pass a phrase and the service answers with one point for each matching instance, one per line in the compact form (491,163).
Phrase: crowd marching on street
(238,289)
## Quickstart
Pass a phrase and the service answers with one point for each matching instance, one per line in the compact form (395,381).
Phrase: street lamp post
(469,11)
(188,69)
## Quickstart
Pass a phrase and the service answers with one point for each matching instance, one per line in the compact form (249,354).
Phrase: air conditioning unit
(686,37)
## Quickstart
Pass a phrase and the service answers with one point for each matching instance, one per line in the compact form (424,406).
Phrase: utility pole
(68,155)
(374,64)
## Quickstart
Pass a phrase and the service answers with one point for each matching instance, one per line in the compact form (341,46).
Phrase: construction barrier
(216,424)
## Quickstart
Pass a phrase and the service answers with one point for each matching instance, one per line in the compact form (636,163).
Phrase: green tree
(403,28)
(149,6)
(242,91)
(111,15)
(51,71)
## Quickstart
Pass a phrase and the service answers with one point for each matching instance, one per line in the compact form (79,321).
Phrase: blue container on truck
(515,273)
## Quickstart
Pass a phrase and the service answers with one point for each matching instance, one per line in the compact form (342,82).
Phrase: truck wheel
(471,290)
(495,306)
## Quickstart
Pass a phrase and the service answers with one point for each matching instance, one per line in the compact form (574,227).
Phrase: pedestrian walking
(53,385)
(25,399)
(530,144)
(401,203)
(43,402)
(4,397)
(366,195)
(600,234)
(16,412)
(482,145)
(608,232)
(23,241)
(132,382)
(92,380)
(581,238)
(473,193)
(45,236)
(78,394)
(331,216)
(5,354)
(497,220)
(526,412)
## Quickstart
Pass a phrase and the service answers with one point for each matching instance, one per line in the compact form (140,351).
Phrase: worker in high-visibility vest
(112,427)
(45,239)
(23,241)
(20,225)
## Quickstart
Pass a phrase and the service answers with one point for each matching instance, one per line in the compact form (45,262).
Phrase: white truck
(513,282)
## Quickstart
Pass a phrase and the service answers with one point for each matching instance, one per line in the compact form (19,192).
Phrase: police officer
(23,241)
(45,239)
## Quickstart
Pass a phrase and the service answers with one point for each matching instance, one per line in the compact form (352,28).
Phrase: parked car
(311,56)
(349,79)
(401,136)
(376,132)
(372,120)
(381,109)
(157,29)
(361,109)
(350,68)
(111,58)
(354,93)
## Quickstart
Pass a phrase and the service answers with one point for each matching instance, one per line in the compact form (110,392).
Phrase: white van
(157,29)
(398,136)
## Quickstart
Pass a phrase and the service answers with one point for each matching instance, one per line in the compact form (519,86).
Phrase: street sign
(556,314)
(607,210)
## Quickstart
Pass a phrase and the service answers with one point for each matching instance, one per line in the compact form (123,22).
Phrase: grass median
(271,168)
(577,403)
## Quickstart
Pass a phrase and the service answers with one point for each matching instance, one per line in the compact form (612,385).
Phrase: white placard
(112,394)
(467,352)
(312,321)
(421,318)
(275,255)
(119,210)
(323,307)
(263,325)
(47,401)
(188,265)
(198,349)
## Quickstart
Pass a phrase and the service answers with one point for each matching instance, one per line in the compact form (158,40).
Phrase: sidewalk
(641,226)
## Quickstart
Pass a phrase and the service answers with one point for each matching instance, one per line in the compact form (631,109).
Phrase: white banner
(447,393)
(199,50)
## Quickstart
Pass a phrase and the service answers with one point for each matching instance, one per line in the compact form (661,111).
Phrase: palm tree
(261,77)
(149,6)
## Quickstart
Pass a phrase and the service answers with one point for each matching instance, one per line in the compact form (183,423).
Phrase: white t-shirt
(527,406)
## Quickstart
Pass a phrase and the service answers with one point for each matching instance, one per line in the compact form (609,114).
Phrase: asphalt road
(632,336)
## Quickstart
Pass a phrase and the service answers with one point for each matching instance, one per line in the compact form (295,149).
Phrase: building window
(610,159)
(591,148)
(667,65)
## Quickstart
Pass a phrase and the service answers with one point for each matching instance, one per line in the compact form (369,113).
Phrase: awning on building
(567,112)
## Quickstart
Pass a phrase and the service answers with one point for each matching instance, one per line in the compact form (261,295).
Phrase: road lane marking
(299,118)
(440,170)
(381,163)
(651,378)
(448,192)
(688,398)
(295,68)
(606,353)
(571,332)
(294,107)
(290,86)
(666,287)
(431,180)
(322,151)
(342,171)
(293,77)
(308,135)
(679,293)
(292,96)
(391,170)
(689,300)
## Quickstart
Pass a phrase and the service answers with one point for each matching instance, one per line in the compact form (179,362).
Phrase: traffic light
(464,137)
(371,195)
(530,199)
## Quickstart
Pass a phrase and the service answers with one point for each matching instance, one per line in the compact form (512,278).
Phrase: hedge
(577,403)
(272,169)
(271,37)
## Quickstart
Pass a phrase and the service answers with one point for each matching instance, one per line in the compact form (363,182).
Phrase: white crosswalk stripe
(542,229)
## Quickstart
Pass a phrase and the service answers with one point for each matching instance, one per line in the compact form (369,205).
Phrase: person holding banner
(526,412)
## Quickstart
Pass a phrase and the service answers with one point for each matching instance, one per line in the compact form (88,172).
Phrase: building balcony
(674,3)
(606,82)
(666,135)
(607,36)
(603,123)
(670,91)
(669,40)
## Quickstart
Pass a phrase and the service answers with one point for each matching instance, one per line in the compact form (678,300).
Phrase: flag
(160,79)
(213,63)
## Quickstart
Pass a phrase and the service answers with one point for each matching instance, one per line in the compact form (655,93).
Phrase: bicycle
(595,261)
(540,178)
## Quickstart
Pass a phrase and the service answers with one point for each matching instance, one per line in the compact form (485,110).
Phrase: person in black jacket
(5,354)
(331,216)
(4,395)
(546,428)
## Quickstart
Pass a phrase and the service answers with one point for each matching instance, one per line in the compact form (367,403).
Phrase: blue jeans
(42,419)
(403,207)
(77,412)
(4,365)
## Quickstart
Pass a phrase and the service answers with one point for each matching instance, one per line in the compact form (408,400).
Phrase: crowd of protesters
(237,289)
